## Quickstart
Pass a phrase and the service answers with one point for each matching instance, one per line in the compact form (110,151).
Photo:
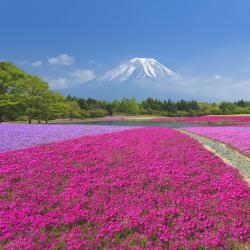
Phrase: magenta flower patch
(237,137)
(151,188)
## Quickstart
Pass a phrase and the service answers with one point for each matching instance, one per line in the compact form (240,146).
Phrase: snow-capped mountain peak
(138,68)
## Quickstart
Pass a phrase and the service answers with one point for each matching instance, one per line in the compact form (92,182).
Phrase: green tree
(54,106)
(95,113)
(73,110)
(35,98)
(109,108)
(12,87)
(129,106)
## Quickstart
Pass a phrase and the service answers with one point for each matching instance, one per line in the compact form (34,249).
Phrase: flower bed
(211,119)
(142,188)
(237,137)
(18,136)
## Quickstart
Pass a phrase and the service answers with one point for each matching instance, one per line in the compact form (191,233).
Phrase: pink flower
(144,188)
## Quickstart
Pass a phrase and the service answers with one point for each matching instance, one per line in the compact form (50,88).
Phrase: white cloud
(76,77)
(82,75)
(206,88)
(59,83)
(24,62)
(37,63)
(63,59)
(217,77)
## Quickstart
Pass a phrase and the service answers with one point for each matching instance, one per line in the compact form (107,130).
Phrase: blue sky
(197,39)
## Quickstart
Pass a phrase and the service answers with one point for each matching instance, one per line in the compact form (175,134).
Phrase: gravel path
(228,154)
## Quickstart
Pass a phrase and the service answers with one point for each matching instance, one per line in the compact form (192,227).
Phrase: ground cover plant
(143,188)
(237,137)
(212,119)
(18,136)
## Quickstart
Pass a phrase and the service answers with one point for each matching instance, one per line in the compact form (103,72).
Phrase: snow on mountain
(138,68)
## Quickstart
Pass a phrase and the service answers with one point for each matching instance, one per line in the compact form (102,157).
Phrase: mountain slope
(138,69)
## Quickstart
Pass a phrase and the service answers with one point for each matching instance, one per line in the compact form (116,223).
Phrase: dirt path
(228,154)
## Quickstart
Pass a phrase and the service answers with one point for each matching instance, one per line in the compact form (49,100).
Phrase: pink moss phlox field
(204,119)
(146,188)
(18,136)
(236,136)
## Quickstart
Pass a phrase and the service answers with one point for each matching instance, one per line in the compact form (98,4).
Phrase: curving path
(228,154)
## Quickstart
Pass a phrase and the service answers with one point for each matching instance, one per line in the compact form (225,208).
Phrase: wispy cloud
(38,63)
(207,88)
(217,77)
(62,59)
(82,75)
(25,62)
(78,76)
(59,83)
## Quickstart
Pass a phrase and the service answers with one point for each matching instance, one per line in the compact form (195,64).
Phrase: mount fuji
(138,77)
(138,69)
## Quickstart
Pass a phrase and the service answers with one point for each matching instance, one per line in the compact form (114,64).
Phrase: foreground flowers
(143,188)
(18,136)
(210,119)
(237,137)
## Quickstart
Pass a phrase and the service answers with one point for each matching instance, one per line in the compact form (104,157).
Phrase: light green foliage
(73,109)
(24,95)
(129,106)
(12,87)
(98,113)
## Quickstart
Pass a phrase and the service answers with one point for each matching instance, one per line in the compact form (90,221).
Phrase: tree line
(27,97)
(150,106)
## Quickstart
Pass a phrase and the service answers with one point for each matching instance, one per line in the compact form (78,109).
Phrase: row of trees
(130,106)
(27,97)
